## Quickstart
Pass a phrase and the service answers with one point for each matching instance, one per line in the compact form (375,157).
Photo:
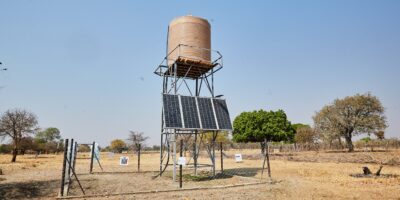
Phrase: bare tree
(306,135)
(137,138)
(17,124)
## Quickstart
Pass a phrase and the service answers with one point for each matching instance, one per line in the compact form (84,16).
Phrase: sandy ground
(306,175)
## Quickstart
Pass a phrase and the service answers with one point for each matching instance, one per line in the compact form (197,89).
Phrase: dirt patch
(29,190)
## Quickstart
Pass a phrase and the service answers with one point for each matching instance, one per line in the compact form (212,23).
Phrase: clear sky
(86,67)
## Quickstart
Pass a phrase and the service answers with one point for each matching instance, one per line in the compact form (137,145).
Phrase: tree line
(136,141)
(339,121)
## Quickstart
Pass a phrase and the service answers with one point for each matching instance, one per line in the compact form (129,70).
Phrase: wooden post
(91,158)
(267,155)
(63,168)
(222,158)
(180,166)
(138,165)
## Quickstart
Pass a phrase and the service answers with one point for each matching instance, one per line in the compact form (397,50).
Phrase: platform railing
(216,58)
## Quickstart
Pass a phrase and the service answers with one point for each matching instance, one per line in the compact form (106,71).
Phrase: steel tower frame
(178,72)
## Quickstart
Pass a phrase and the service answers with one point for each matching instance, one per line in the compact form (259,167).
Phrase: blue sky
(86,67)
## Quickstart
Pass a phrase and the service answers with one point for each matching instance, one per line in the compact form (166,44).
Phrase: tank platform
(188,68)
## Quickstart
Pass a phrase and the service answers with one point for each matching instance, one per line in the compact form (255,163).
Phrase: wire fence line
(386,144)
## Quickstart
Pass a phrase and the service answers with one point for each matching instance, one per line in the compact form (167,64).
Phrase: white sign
(182,161)
(238,157)
(123,160)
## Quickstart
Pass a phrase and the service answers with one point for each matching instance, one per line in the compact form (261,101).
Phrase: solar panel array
(187,112)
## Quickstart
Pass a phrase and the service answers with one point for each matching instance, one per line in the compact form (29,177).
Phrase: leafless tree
(17,124)
(137,138)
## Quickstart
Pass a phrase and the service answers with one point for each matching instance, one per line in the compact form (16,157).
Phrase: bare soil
(301,175)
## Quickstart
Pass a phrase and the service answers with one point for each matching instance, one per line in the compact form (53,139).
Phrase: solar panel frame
(222,114)
(190,112)
(207,115)
(172,111)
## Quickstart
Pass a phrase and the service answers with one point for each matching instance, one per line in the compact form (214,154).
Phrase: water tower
(189,105)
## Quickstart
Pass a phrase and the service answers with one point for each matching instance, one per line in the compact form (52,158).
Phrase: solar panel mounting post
(161,151)
(215,133)
(174,136)
(173,141)
(196,132)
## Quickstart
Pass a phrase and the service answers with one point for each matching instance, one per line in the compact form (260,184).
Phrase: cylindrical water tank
(194,33)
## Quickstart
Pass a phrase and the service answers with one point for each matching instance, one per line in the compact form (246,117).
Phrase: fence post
(70,160)
(222,158)
(75,153)
(180,166)
(267,155)
(91,158)
(63,168)
(138,167)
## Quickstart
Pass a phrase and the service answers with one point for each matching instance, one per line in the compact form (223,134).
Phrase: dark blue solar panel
(206,113)
(190,114)
(172,113)
(222,113)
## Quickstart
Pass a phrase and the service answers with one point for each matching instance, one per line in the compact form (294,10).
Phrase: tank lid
(189,18)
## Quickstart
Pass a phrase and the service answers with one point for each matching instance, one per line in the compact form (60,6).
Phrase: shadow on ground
(28,190)
(228,173)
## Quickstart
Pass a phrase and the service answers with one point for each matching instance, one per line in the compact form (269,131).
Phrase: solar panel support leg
(195,153)
(213,152)
(161,153)
(174,154)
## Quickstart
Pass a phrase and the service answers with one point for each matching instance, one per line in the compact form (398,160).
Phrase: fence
(386,144)
(113,177)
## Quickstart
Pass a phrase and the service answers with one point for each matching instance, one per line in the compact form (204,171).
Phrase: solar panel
(172,112)
(189,111)
(222,113)
(206,113)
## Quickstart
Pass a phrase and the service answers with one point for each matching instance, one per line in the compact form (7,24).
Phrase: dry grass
(306,175)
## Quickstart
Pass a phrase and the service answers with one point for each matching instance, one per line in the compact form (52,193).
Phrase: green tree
(351,116)
(48,140)
(299,125)
(49,135)
(17,124)
(258,125)
(118,145)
